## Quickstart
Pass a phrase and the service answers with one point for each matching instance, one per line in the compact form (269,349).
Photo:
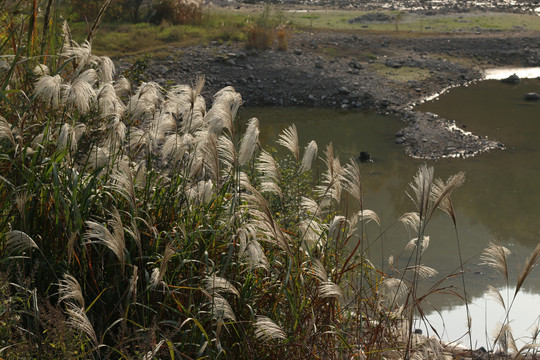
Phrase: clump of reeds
(159,230)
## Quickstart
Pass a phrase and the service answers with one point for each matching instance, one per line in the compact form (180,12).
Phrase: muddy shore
(385,72)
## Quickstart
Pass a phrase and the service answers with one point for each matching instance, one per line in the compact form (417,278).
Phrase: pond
(499,202)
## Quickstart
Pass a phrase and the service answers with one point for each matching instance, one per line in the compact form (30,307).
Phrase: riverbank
(388,72)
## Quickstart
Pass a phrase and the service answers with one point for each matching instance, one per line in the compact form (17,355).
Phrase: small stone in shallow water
(512,79)
(532,96)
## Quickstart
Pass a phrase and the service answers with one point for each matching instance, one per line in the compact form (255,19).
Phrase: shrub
(176,12)
(262,33)
(282,38)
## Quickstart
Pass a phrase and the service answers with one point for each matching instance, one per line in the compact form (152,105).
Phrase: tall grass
(135,224)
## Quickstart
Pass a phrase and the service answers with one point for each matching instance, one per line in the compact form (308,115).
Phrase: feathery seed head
(70,289)
(49,90)
(423,271)
(79,94)
(289,139)
(267,330)
(310,153)
(114,241)
(496,257)
(221,309)
(218,284)
(271,176)
(411,221)
(106,69)
(421,186)
(122,86)
(78,320)
(18,241)
(413,243)
(249,141)
(41,69)
(108,102)
(144,103)
(5,131)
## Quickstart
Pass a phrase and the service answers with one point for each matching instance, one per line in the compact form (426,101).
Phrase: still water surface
(500,200)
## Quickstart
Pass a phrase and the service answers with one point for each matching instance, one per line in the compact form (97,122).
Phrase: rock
(532,96)
(400,140)
(393,63)
(343,90)
(297,52)
(364,157)
(512,79)
(355,65)
(319,65)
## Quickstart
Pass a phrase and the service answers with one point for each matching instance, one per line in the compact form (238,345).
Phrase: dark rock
(400,140)
(393,63)
(532,96)
(364,157)
(343,90)
(319,65)
(512,79)
(355,65)
(297,52)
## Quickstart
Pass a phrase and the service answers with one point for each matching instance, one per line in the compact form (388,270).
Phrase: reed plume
(113,240)
(421,186)
(49,90)
(109,104)
(78,320)
(267,330)
(5,131)
(271,179)
(529,265)
(289,139)
(122,86)
(496,257)
(249,141)
(310,153)
(18,241)
(218,284)
(70,289)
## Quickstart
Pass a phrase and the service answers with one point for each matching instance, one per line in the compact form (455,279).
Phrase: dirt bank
(385,72)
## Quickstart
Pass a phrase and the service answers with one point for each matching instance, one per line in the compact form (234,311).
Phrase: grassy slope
(228,24)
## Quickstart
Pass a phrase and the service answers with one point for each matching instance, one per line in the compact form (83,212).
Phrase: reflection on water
(503,73)
(500,200)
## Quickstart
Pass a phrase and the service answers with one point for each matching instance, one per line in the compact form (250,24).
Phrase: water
(500,200)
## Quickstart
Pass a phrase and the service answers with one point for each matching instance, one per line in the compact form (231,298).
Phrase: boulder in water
(512,79)
(364,157)
(532,96)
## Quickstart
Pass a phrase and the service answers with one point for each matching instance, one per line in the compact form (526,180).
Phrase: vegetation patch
(402,74)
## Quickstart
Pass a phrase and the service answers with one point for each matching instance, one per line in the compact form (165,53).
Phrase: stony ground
(385,72)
